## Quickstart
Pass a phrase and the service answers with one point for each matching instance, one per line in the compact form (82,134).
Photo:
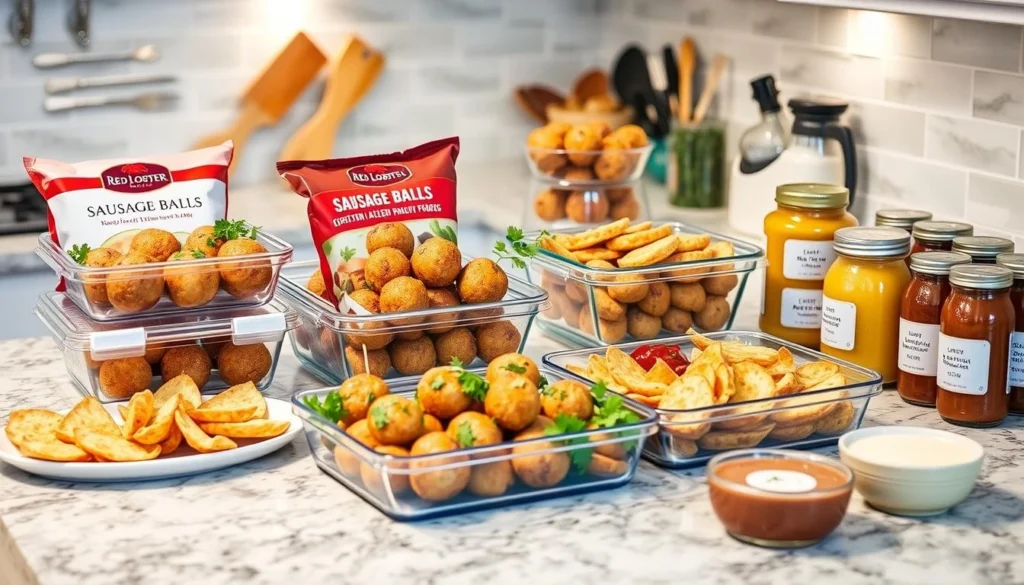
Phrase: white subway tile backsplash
(458,9)
(380,117)
(833,26)
(3,151)
(73,142)
(981,44)
(542,10)
(119,19)
(23,103)
(999,97)
(349,11)
(186,53)
(896,129)
(784,21)
(466,78)
(557,72)
(875,33)
(500,39)
(979,145)
(575,37)
(911,182)
(995,202)
(832,71)
(928,85)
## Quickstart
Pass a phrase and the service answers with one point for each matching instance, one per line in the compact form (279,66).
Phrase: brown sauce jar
(982,249)
(920,312)
(903,219)
(937,236)
(974,346)
(1015,262)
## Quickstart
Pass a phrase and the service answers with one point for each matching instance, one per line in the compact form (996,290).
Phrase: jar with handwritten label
(920,312)
(974,346)
(860,308)
(937,236)
(799,254)
(982,249)
(1015,262)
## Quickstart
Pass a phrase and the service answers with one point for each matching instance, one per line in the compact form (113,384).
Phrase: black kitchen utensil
(632,81)
(668,55)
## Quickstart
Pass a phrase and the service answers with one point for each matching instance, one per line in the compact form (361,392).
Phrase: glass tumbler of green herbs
(696,165)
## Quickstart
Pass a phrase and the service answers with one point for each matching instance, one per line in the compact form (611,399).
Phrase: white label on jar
(1016,377)
(838,323)
(919,348)
(781,481)
(963,365)
(801,308)
(807,259)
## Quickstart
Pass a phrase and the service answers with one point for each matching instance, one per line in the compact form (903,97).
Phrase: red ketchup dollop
(647,355)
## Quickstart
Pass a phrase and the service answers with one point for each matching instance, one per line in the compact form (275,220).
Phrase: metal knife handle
(62,104)
(57,85)
(50,60)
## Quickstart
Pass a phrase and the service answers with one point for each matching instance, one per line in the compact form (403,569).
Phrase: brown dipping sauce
(779,502)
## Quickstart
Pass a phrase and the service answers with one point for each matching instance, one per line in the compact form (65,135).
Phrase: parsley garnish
(347,253)
(438,383)
(445,232)
(370,398)
(473,385)
(331,408)
(78,252)
(464,435)
(379,416)
(516,368)
(226,229)
(570,424)
(609,408)
(543,383)
(517,248)
(198,254)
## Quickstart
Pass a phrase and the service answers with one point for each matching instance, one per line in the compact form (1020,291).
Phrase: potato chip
(725,384)
(50,448)
(199,440)
(837,421)
(630,374)
(787,384)
(712,356)
(32,424)
(721,249)
(785,364)
(123,411)
(703,370)
(752,382)
(238,414)
(606,466)
(794,433)
(113,448)
(687,274)
(172,442)
(833,381)
(727,440)
(181,384)
(684,447)
(693,242)
(650,254)
(577,369)
(236,397)
(591,254)
(687,393)
(140,410)
(734,351)
(593,237)
(555,247)
(252,429)
(695,353)
(815,373)
(90,414)
(160,426)
(652,401)
(639,227)
(802,415)
(661,372)
(627,242)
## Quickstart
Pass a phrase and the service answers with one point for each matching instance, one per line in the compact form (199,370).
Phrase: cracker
(593,237)
(639,227)
(627,242)
(588,254)
(553,246)
(693,242)
(650,254)
(687,274)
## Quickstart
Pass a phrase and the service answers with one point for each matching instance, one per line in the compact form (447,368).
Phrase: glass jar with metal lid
(900,218)
(933,236)
(974,346)
(982,249)
(920,312)
(1015,262)
(862,294)
(799,254)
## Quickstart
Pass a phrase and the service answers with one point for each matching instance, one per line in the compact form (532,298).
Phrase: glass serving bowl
(588,167)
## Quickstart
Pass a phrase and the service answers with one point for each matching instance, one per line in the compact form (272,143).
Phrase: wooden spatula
(351,76)
(535,99)
(271,93)
(687,66)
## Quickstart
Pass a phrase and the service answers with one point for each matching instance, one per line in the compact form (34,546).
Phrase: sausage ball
(628,208)
(574,174)
(633,135)
(541,470)
(613,450)
(191,286)
(390,235)
(437,262)
(212,348)
(628,288)
(357,393)
(191,360)
(385,265)
(374,478)
(482,281)
(395,420)
(587,206)
(720,285)
(608,331)
(202,239)
(714,315)
(379,360)
(567,397)
(154,353)
(495,339)
(585,139)
(431,424)
(474,429)
(156,245)
(244,279)
(442,484)
(641,325)
(576,291)
(513,364)
(347,461)
(121,378)
(542,142)
(439,298)
(687,296)
(96,286)
(404,294)
(513,402)
(613,164)
(368,300)
(457,343)
(243,363)
(440,393)
(316,284)
(412,357)
(618,194)
(549,205)
(677,320)
(135,291)
(657,301)
(490,480)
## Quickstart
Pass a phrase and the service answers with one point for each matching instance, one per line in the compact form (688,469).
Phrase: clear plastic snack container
(112,361)
(382,480)
(87,286)
(563,204)
(595,306)
(805,420)
(588,167)
(329,343)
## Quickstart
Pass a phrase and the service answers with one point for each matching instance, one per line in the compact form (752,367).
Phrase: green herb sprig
(445,232)
(564,424)
(464,435)
(330,408)
(226,229)
(609,408)
(517,248)
(473,385)
(78,252)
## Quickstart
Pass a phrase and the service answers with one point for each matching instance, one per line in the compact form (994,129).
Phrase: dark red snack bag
(348,196)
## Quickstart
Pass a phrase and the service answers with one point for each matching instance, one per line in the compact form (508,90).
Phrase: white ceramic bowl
(908,484)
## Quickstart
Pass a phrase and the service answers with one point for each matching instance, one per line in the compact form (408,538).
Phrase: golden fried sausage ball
(632,134)
(437,262)
(657,301)
(316,284)
(542,143)
(513,402)
(558,128)
(490,480)
(395,420)
(440,393)
(567,397)
(582,140)
(374,478)
(482,281)
(348,462)
(357,393)
(191,286)
(442,297)
(627,208)
(96,286)
(390,235)
(720,286)
(587,206)
(137,290)
(431,424)
(202,239)
(412,357)
(379,360)
(156,245)
(541,470)
(457,343)
(687,296)
(609,331)
(631,290)
(677,320)
(495,339)
(641,325)
(714,315)
(575,174)
(549,205)
(612,165)
(442,484)
(410,335)
(121,378)
(404,294)
(603,128)
(540,424)
(385,265)
(244,279)
(243,363)
(613,450)
(191,360)
(607,307)
(368,300)
(328,348)
(513,364)
(576,291)
(618,194)
(474,429)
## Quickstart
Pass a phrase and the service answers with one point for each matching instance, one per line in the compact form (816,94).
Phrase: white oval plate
(184,461)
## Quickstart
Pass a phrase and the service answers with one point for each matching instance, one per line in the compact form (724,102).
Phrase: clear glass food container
(562,204)
(382,480)
(597,306)
(255,275)
(327,342)
(588,167)
(805,420)
(112,361)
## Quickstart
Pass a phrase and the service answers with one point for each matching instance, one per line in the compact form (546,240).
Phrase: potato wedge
(181,384)
(199,440)
(32,424)
(595,236)
(172,442)
(159,427)
(140,411)
(793,433)
(838,421)
(237,397)
(90,414)
(661,373)
(53,449)
(815,373)
(113,448)
(251,429)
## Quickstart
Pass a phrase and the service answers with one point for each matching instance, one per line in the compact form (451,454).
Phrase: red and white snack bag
(348,196)
(104,203)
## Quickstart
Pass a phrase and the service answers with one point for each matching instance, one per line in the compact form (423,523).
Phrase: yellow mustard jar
(863,294)
(799,254)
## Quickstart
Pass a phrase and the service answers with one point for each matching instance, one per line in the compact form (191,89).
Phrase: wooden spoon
(710,86)
(687,65)
(590,83)
(534,100)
